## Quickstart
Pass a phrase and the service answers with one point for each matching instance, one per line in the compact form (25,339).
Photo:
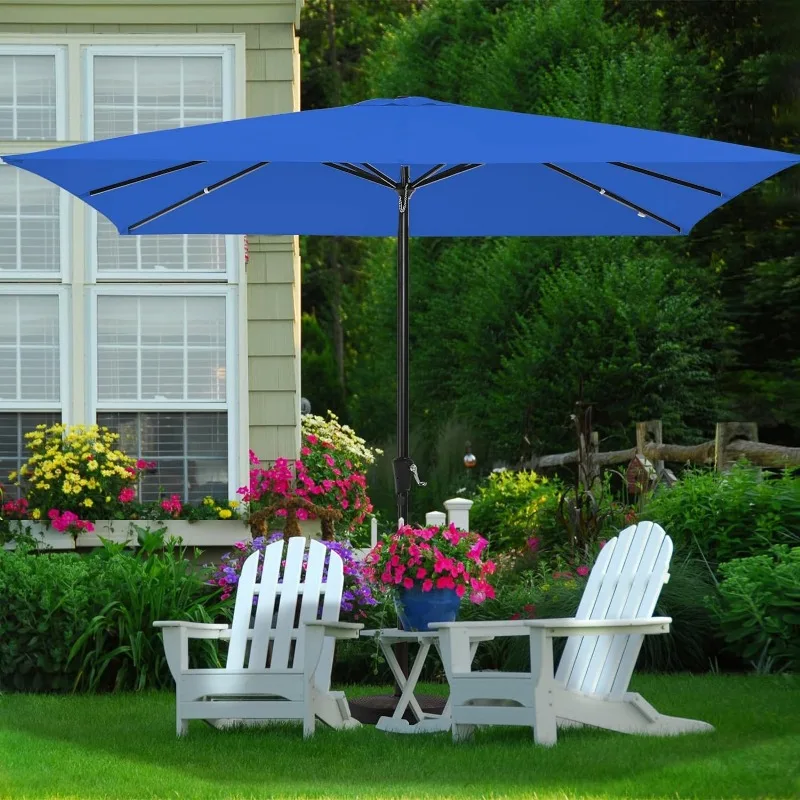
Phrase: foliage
(328,473)
(503,330)
(357,595)
(85,622)
(514,507)
(758,608)
(74,475)
(752,242)
(435,557)
(729,515)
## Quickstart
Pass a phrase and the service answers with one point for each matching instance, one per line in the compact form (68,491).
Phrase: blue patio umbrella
(408,166)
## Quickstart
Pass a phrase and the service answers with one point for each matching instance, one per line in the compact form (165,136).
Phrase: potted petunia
(430,570)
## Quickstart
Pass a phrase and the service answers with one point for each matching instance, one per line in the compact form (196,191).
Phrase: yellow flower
(208,501)
(108,498)
(92,466)
(225,513)
(88,502)
(36,514)
(233,503)
(12,476)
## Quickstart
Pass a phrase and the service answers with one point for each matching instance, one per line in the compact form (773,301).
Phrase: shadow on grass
(96,740)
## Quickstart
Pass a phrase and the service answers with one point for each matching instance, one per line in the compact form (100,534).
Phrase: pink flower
(461,589)
(582,571)
(254,458)
(408,583)
(445,582)
(305,451)
(421,573)
(240,545)
(344,503)
(126,495)
(427,585)
(533,543)
(311,439)
(53,513)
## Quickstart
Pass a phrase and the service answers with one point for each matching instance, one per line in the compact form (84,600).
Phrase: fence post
(650,432)
(726,433)
(373,532)
(458,512)
(435,518)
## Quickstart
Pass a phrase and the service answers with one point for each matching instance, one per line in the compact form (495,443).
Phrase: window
(13,453)
(30,359)
(148,89)
(149,92)
(159,257)
(162,383)
(32,235)
(32,97)
(164,349)
(190,451)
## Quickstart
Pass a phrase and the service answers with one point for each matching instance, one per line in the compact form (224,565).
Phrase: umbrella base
(369,709)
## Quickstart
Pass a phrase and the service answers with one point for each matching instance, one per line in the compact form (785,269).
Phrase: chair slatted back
(288,595)
(625,583)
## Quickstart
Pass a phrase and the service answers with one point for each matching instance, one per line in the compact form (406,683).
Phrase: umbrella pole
(402,464)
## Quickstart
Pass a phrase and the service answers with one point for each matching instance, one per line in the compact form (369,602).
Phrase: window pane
(133,94)
(161,348)
(29,348)
(190,451)
(30,228)
(153,254)
(28,102)
(13,454)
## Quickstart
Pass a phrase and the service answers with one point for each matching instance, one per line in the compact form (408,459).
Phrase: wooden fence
(732,442)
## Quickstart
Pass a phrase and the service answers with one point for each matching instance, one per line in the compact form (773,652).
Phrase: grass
(123,746)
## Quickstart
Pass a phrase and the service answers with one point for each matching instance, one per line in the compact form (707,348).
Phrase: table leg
(406,684)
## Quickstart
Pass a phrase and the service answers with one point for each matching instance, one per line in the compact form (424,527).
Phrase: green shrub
(85,622)
(512,507)
(729,515)
(758,608)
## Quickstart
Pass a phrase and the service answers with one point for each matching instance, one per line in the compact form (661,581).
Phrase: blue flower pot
(417,609)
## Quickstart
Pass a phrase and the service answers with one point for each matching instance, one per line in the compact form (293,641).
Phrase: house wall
(269,361)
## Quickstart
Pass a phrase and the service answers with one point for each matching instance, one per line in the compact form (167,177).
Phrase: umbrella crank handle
(404,470)
(413,469)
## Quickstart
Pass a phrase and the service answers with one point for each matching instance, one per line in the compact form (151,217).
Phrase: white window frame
(227,53)
(65,246)
(62,293)
(60,53)
(231,404)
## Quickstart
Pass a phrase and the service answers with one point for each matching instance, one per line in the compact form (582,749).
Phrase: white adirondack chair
(603,643)
(280,649)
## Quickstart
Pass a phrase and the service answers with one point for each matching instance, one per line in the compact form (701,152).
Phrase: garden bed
(201,533)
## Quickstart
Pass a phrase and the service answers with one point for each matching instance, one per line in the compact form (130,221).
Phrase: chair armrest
(338,630)
(566,626)
(194,630)
(569,626)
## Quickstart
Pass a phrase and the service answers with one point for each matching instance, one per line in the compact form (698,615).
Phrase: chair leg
(461,733)
(182,726)
(545,726)
(309,716)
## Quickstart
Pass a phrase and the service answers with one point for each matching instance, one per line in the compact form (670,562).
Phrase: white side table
(426,723)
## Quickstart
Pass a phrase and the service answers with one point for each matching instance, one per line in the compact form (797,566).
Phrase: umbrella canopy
(352,171)
(532,175)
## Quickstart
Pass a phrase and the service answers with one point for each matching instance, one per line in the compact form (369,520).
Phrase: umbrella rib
(447,173)
(351,169)
(204,191)
(385,178)
(148,176)
(669,178)
(642,212)
(425,175)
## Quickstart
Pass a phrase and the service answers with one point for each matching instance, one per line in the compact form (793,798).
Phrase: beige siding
(157,12)
(272,86)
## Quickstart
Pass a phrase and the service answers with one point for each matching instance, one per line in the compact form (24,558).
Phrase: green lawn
(125,747)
